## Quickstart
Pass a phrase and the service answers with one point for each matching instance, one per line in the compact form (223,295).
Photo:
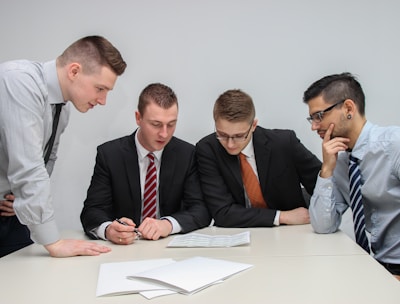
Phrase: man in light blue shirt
(29,94)
(337,112)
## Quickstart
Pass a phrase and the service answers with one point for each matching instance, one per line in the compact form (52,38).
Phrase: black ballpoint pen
(125,224)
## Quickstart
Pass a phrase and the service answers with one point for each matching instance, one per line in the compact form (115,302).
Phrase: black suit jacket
(283,165)
(115,189)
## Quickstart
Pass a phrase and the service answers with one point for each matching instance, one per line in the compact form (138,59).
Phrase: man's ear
(350,108)
(74,69)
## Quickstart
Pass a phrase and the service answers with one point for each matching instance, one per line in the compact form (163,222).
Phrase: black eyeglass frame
(318,116)
(234,138)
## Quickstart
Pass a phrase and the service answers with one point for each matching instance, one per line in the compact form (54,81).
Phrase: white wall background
(273,50)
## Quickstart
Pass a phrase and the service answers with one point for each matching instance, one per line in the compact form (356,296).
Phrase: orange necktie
(251,183)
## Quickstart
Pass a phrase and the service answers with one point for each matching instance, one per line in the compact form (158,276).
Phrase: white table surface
(292,264)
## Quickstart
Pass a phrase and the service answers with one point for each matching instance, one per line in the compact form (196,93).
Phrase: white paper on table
(151,294)
(113,280)
(191,275)
(204,240)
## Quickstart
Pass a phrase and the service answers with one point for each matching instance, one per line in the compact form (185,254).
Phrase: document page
(193,274)
(113,280)
(204,240)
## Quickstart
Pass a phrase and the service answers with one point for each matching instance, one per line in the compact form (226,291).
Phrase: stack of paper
(113,280)
(164,276)
(204,240)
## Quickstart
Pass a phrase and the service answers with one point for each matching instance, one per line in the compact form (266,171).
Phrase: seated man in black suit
(251,176)
(148,181)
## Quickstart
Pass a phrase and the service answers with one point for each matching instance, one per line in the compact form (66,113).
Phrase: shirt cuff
(100,232)
(45,234)
(176,228)
(276,219)
(324,186)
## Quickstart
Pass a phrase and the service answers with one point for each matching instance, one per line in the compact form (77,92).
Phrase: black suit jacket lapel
(132,172)
(232,164)
(167,171)
(263,156)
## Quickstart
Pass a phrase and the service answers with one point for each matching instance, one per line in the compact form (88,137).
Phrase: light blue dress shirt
(28,92)
(378,149)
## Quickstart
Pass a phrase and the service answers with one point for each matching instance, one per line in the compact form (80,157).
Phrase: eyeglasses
(317,117)
(235,138)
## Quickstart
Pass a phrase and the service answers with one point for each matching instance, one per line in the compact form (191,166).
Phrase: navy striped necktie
(356,203)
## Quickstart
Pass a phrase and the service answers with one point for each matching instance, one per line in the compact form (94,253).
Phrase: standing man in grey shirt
(30,95)
(337,112)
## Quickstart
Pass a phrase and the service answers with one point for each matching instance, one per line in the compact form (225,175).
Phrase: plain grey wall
(271,49)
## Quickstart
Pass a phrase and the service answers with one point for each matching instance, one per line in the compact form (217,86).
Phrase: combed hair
(159,93)
(93,52)
(234,105)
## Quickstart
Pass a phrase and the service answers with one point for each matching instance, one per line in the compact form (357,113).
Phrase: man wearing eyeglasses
(278,161)
(360,170)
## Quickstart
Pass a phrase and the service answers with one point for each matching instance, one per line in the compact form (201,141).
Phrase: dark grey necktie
(50,143)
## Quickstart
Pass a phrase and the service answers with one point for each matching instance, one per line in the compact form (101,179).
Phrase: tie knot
(353,159)
(151,157)
(242,157)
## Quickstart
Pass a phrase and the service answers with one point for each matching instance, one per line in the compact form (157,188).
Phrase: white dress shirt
(248,151)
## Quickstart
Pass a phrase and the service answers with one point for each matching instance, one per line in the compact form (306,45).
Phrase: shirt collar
(249,149)
(361,143)
(53,85)
(142,152)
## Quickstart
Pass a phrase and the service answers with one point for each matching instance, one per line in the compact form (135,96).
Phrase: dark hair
(234,105)
(93,52)
(158,93)
(337,87)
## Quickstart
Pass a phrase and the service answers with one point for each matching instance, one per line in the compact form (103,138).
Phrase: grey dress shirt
(28,92)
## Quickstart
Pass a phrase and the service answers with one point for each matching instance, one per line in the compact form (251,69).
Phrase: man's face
(157,126)
(88,90)
(234,136)
(333,116)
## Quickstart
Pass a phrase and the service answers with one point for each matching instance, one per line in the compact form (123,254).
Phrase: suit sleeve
(182,197)
(307,164)
(97,207)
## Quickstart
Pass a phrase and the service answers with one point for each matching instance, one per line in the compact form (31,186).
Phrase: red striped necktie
(150,190)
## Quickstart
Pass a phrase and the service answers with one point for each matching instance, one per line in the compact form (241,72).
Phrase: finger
(7,213)
(328,133)
(95,250)
(7,204)
(125,241)
(101,249)
(6,209)
(9,197)
(128,221)
(124,225)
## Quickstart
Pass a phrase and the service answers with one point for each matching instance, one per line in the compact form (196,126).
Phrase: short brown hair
(158,93)
(93,52)
(234,105)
